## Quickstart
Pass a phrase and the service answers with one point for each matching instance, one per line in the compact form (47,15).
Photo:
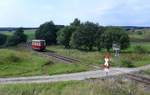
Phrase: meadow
(140,35)
(87,87)
(96,58)
(17,61)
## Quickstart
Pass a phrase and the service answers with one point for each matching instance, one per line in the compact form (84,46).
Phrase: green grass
(20,62)
(90,87)
(96,58)
(144,45)
(136,37)
(85,57)
(15,63)
(25,63)
(66,68)
(137,54)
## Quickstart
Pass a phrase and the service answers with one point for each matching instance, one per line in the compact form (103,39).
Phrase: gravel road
(72,76)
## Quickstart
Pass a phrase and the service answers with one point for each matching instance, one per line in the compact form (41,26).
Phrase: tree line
(16,38)
(85,35)
(79,35)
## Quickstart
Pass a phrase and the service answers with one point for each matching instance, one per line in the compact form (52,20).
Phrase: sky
(32,13)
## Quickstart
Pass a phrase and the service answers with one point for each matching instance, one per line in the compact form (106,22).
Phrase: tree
(76,22)
(115,35)
(98,38)
(3,39)
(47,32)
(17,38)
(106,40)
(64,35)
(84,37)
(124,41)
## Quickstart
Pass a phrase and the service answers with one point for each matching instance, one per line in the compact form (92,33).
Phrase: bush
(139,32)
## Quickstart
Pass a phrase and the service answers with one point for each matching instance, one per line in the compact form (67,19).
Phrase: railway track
(60,57)
(54,55)
(139,79)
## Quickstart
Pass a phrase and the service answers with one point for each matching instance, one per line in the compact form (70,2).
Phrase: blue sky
(32,13)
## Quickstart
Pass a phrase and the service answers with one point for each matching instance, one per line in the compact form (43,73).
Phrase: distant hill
(13,28)
(25,28)
(133,27)
(61,26)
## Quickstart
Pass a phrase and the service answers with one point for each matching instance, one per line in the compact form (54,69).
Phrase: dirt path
(73,76)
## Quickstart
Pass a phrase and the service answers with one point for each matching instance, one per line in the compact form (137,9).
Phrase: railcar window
(33,43)
(39,44)
(36,43)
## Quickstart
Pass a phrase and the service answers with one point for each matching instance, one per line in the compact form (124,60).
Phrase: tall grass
(17,62)
(91,87)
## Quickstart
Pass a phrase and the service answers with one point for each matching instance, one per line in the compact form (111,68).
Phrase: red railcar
(39,45)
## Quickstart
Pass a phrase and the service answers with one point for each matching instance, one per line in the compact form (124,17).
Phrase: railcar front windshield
(43,43)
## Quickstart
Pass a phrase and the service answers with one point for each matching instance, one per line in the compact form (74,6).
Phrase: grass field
(140,35)
(25,63)
(20,62)
(89,87)
(96,58)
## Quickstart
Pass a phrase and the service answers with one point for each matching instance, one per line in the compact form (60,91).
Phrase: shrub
(3,39)
(139,32)
(140,49)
